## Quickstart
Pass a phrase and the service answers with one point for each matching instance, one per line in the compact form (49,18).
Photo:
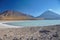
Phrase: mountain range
(14,15)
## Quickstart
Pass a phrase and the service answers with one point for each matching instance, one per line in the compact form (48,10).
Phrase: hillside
(14,15)
(49,15)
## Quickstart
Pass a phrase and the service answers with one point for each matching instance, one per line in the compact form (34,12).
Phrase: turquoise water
(35,23)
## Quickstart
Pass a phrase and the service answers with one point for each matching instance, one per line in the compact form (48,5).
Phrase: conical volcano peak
(49,14)
(50,9)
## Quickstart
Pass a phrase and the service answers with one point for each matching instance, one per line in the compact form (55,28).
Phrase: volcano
(49,15)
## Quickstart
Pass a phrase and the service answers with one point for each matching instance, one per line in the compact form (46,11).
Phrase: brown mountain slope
(13,15)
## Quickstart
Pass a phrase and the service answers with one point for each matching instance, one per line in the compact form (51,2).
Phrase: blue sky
(32,7)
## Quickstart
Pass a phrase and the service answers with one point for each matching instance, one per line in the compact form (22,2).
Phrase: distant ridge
(49,15)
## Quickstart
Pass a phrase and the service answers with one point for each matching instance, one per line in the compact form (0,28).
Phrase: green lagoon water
(35,23)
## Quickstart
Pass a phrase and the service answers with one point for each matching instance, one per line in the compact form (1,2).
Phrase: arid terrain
(31,33)
(14,15)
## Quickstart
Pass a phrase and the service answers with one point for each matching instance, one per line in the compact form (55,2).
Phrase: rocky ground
(31,33)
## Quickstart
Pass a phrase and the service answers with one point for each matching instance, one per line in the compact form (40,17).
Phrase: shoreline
(2,25)
(8,32)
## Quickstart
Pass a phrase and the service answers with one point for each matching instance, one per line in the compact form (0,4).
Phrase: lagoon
(29,23)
